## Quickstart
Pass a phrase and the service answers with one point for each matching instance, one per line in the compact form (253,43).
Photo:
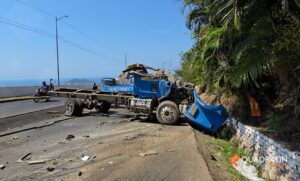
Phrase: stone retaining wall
(282,164)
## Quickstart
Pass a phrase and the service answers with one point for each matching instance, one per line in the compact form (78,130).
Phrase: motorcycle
(41,96)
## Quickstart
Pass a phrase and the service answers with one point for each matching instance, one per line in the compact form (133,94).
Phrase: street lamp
(57,57)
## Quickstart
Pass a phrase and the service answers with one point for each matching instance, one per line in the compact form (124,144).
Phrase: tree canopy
(245,46)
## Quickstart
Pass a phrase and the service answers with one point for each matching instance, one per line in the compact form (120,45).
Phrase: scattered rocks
(149,152)
(80,173)
(70,137)
(170,150)
(23,158)
(2,167)
(36,162)
(50,169)
(14,138)
(85,158)
(111,163)
(86,136)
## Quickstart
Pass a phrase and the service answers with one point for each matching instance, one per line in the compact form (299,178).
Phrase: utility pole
(57,54)
(125,60)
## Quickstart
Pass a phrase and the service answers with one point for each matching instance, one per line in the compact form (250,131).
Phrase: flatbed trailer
(150,95)
(166,111)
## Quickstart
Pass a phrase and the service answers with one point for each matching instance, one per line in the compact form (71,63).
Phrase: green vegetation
(246,47)
(223,150)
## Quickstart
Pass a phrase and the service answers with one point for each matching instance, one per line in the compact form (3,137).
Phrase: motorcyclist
(44,89)
(95,87)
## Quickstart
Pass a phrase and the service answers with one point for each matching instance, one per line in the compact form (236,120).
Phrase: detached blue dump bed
(210,118)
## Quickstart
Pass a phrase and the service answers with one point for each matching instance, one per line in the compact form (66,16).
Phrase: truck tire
(79,108)
(167,113)
(72,107)
(104,107)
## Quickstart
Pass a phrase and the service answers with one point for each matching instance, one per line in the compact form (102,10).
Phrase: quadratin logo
(274,161)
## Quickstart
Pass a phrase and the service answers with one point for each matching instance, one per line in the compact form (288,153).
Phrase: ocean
(36,82)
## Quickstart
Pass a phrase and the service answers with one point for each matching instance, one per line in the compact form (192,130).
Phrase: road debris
(149,152)
(14,138)
(2,167)
(23,158)
(50,169)
(37,162)
(111,163)
(85,158)
(70,137)
(170,150)
(53,112)
(43,159)
(86,136)
(80,173)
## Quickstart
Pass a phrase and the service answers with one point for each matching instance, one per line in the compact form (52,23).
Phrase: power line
(67,24)
(36,8)
(85,34)
(29,28)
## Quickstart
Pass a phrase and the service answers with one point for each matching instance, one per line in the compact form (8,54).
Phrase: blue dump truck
(147,92)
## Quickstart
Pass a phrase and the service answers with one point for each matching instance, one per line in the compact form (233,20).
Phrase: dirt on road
(113,149)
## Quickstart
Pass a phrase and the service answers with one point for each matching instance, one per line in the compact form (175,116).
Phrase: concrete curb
(11,99)
(35,126)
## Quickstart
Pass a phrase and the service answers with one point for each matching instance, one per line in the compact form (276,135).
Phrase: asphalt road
(116,149)
(21,107)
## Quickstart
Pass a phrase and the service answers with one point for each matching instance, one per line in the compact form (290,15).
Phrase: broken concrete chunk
(14,138)
(170,150)
(23,158)
(2,167)
(37,162)
(70,137)
(50,169)
(142,155)
(149,152)
(85,158)
(44,159)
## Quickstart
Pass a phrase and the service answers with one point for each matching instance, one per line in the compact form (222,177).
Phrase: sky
(151,32)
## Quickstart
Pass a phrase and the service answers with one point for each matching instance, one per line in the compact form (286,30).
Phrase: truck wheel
(79,107)
(71,107)
(167,113)
(104,107)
